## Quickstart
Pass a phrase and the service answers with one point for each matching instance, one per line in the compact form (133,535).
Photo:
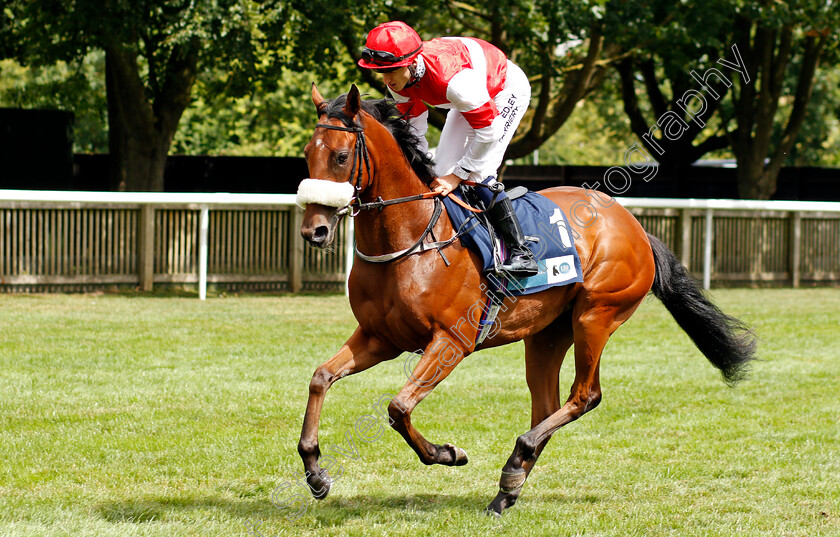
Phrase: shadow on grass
(337,511)
(161,509)
(334,511)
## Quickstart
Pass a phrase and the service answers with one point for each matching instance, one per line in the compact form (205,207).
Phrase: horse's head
(339,168)
(360,151)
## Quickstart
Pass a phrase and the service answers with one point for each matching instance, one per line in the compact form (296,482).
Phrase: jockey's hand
(445,184)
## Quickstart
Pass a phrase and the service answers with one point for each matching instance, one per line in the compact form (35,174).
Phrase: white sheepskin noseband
(323,192)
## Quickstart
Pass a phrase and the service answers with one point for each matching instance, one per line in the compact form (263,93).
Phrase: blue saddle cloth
(556,255)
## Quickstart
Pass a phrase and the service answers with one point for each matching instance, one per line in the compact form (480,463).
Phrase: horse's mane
(385,112)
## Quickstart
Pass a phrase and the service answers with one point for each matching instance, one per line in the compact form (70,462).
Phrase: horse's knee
(526,447)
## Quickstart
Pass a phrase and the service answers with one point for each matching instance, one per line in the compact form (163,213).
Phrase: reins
(355,206)
(379,203)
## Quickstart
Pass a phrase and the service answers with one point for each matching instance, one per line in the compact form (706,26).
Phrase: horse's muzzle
(318,225)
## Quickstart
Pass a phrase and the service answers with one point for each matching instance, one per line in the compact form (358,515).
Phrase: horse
(413,286)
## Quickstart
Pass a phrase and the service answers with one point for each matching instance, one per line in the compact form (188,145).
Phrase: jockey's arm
(446,184)
(471,161)
(420,123)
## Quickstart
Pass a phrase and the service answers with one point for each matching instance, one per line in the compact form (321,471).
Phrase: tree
(718,74)
(274,118)
(559,45)
(153,51)
(239,55)
(668,46)
(77,88)
(157,51)
(818,142)
(774,38)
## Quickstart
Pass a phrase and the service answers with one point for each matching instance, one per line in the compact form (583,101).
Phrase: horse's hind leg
(544,354)
(593,324)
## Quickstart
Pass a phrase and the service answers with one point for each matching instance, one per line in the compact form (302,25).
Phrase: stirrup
(521,264)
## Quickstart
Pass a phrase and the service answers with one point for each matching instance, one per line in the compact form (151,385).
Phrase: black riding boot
(520,261)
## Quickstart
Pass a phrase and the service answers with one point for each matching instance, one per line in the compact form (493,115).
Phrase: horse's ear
(317,99)
(354,102)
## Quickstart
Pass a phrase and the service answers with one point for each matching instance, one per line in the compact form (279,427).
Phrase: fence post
(795,247)
(685,238)
(146,257)
(707,251)
(296,251)
(203,226)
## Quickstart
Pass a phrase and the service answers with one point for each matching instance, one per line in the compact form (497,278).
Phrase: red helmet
(389,45)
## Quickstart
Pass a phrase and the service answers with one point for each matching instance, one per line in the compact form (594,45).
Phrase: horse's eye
(342,157)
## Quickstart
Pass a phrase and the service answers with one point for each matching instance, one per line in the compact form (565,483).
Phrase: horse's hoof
(319,485)
(503,500)
(323,492)
(459,455)
(496,506)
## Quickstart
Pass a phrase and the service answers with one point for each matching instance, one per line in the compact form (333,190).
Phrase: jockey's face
(396,79)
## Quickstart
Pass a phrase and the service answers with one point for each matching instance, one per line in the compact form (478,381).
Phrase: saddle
(546,228)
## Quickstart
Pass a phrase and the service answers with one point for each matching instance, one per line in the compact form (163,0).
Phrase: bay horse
(420,299)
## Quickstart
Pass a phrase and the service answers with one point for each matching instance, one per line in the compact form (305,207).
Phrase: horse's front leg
(357,354)
(434,365)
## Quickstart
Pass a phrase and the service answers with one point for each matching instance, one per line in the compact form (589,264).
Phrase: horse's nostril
(321,234)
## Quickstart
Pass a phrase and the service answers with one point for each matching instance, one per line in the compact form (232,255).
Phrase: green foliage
(258,58)
(529,31)
(597,134)
(275,118)
(51,30)
(668,40)
(316,35)
(818,142)
(77,87)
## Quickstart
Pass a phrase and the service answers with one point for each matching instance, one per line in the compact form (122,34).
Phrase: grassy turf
(166,416)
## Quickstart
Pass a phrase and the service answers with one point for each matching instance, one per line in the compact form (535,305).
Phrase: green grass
(167,416)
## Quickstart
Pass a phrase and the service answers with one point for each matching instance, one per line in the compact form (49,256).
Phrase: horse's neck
(397,226)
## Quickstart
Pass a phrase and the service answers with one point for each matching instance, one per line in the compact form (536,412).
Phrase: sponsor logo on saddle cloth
(553,246)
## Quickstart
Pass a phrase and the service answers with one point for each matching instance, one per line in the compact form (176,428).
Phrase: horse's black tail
(727,342)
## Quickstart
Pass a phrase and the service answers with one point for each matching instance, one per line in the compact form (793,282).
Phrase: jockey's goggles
(386,59)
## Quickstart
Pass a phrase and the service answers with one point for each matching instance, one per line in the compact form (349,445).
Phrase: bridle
(360,152)
(355,206)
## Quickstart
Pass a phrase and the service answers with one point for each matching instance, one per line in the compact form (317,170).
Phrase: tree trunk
(671,154)
(755,182)
(141,129)
(554,108)
(767,58)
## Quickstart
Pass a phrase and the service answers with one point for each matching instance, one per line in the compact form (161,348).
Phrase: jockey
(487,96)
